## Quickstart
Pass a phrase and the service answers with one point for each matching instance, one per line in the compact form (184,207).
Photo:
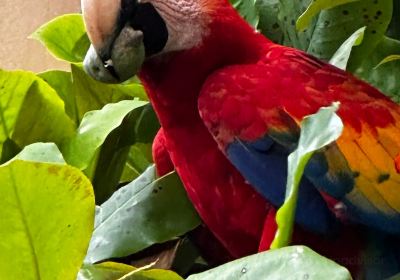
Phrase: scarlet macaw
(229,102)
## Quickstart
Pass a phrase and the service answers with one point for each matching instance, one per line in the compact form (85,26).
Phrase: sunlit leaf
(46,220)
(297,262)
(342,55)
(145,212)
(31,111)
(41,152)
(317,131)
(65,37)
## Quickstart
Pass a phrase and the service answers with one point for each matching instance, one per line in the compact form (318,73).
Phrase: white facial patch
(185,20)
(100,19)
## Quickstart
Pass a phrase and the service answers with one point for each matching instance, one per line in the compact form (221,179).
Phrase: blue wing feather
(264,164)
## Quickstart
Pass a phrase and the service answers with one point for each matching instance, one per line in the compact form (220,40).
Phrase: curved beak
(122,61)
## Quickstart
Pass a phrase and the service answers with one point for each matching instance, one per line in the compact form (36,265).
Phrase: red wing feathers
(248,101)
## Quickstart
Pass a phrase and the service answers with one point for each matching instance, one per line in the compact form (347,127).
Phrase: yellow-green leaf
(46,220)
(30,111)
(65,37)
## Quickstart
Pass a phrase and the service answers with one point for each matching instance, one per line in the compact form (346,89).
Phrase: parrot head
(125,33)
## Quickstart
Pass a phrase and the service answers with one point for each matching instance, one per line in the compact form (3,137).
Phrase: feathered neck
(176,78)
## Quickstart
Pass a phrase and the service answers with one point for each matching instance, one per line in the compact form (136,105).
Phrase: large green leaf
(65,37)
(295,262)
(94,129)
(46,220)
(92,95)
(145,212)
(386,76)
(317,131)
(30,111)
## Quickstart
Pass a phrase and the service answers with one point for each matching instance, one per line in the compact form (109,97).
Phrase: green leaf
(147,125)
(41,152)
(61,82)
(140,125)
(94,129)
(317,131)
(332,27)
(248,10)
(30,111)
(45,222)
(297,262)
(315,7)
(139,159)
(145,212)
(140,154)
(389,58)
(92,95)
(385,77)
(342,55)
(65,37)
(269,23)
